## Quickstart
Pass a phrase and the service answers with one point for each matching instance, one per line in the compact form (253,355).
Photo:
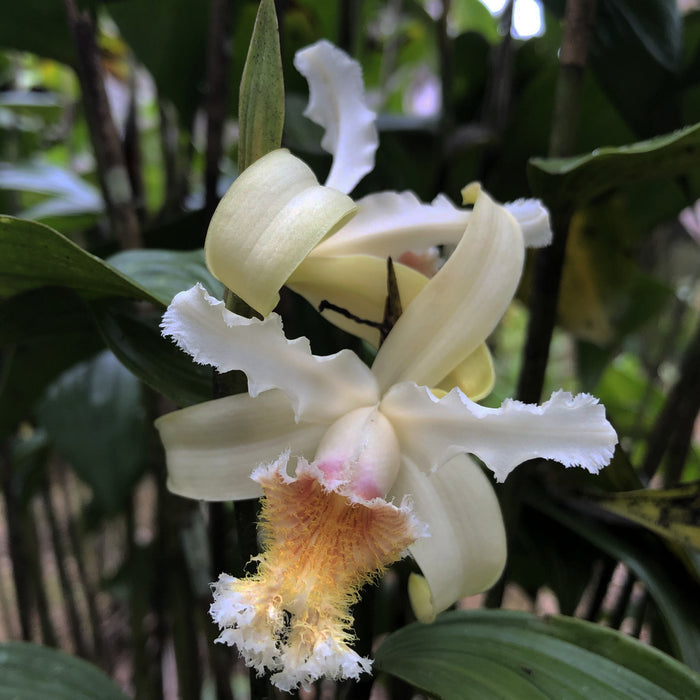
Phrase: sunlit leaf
(33,255)
(579,179)
(511,655)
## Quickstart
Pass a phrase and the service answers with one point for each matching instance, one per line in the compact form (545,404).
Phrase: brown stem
(111,164)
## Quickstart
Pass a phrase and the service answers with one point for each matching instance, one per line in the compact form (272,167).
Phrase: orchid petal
(337,103)
(460,306)
(569,429)
(271,217)
(212,448)
(319,388)
(475,375)
(356,283)
(466,548)
(388,224)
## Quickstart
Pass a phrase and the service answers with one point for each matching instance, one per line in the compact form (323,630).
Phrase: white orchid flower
(356,465)
(277,225)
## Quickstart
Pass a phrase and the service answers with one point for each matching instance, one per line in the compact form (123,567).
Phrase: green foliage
(489,653)
(32,672)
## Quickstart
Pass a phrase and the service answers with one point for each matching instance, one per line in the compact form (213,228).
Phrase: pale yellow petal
(212,448)
(465,551)
(460,306)
(475,375)
(273,214)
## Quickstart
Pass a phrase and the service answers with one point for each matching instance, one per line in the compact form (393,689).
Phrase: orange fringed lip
(320,547)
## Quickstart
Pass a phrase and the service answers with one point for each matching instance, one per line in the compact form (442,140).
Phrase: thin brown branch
(111,164)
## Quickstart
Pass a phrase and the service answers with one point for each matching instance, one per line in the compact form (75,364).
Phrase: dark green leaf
(94,415)
(664,577)
(261,100)
(165,272)
(33,672)
(33,255)
(42,332)
(39,26)
(138,344)
(579,179)
(508,655)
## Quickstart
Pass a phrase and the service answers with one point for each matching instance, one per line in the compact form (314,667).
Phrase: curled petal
(466,548)
(319,388)
(390,223)
(357,284)
(475,375)
(570,429)
(211,449)
(273,214)
(337,103)
(460,306)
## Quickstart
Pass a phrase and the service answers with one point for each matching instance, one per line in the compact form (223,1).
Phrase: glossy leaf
(510,655)
(94,415)
(33,255)
(166,272)
(261,99)
(579,179)
(32,672)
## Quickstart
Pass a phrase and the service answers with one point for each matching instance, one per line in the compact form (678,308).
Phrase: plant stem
(111,164)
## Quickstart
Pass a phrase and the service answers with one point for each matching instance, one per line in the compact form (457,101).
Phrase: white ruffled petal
(465,551)
(319,388)
(388,224)
(570,429)
(337,103)
(533,218)
(212,448)
(460,306)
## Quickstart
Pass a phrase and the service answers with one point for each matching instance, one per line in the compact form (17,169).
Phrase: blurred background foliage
(97,557)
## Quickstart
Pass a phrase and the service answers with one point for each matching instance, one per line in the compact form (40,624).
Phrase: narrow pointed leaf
(261,98)
(488,654)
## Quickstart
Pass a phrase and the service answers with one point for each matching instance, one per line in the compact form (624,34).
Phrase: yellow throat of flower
(292,617)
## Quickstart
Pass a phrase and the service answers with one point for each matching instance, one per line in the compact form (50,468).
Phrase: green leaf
(577,180)
(94,415)
(668,583)
(33,255)
(671,513)
(261,99)
(138,344)
(485,654)
(42,332)
(33,672)
(166,272)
